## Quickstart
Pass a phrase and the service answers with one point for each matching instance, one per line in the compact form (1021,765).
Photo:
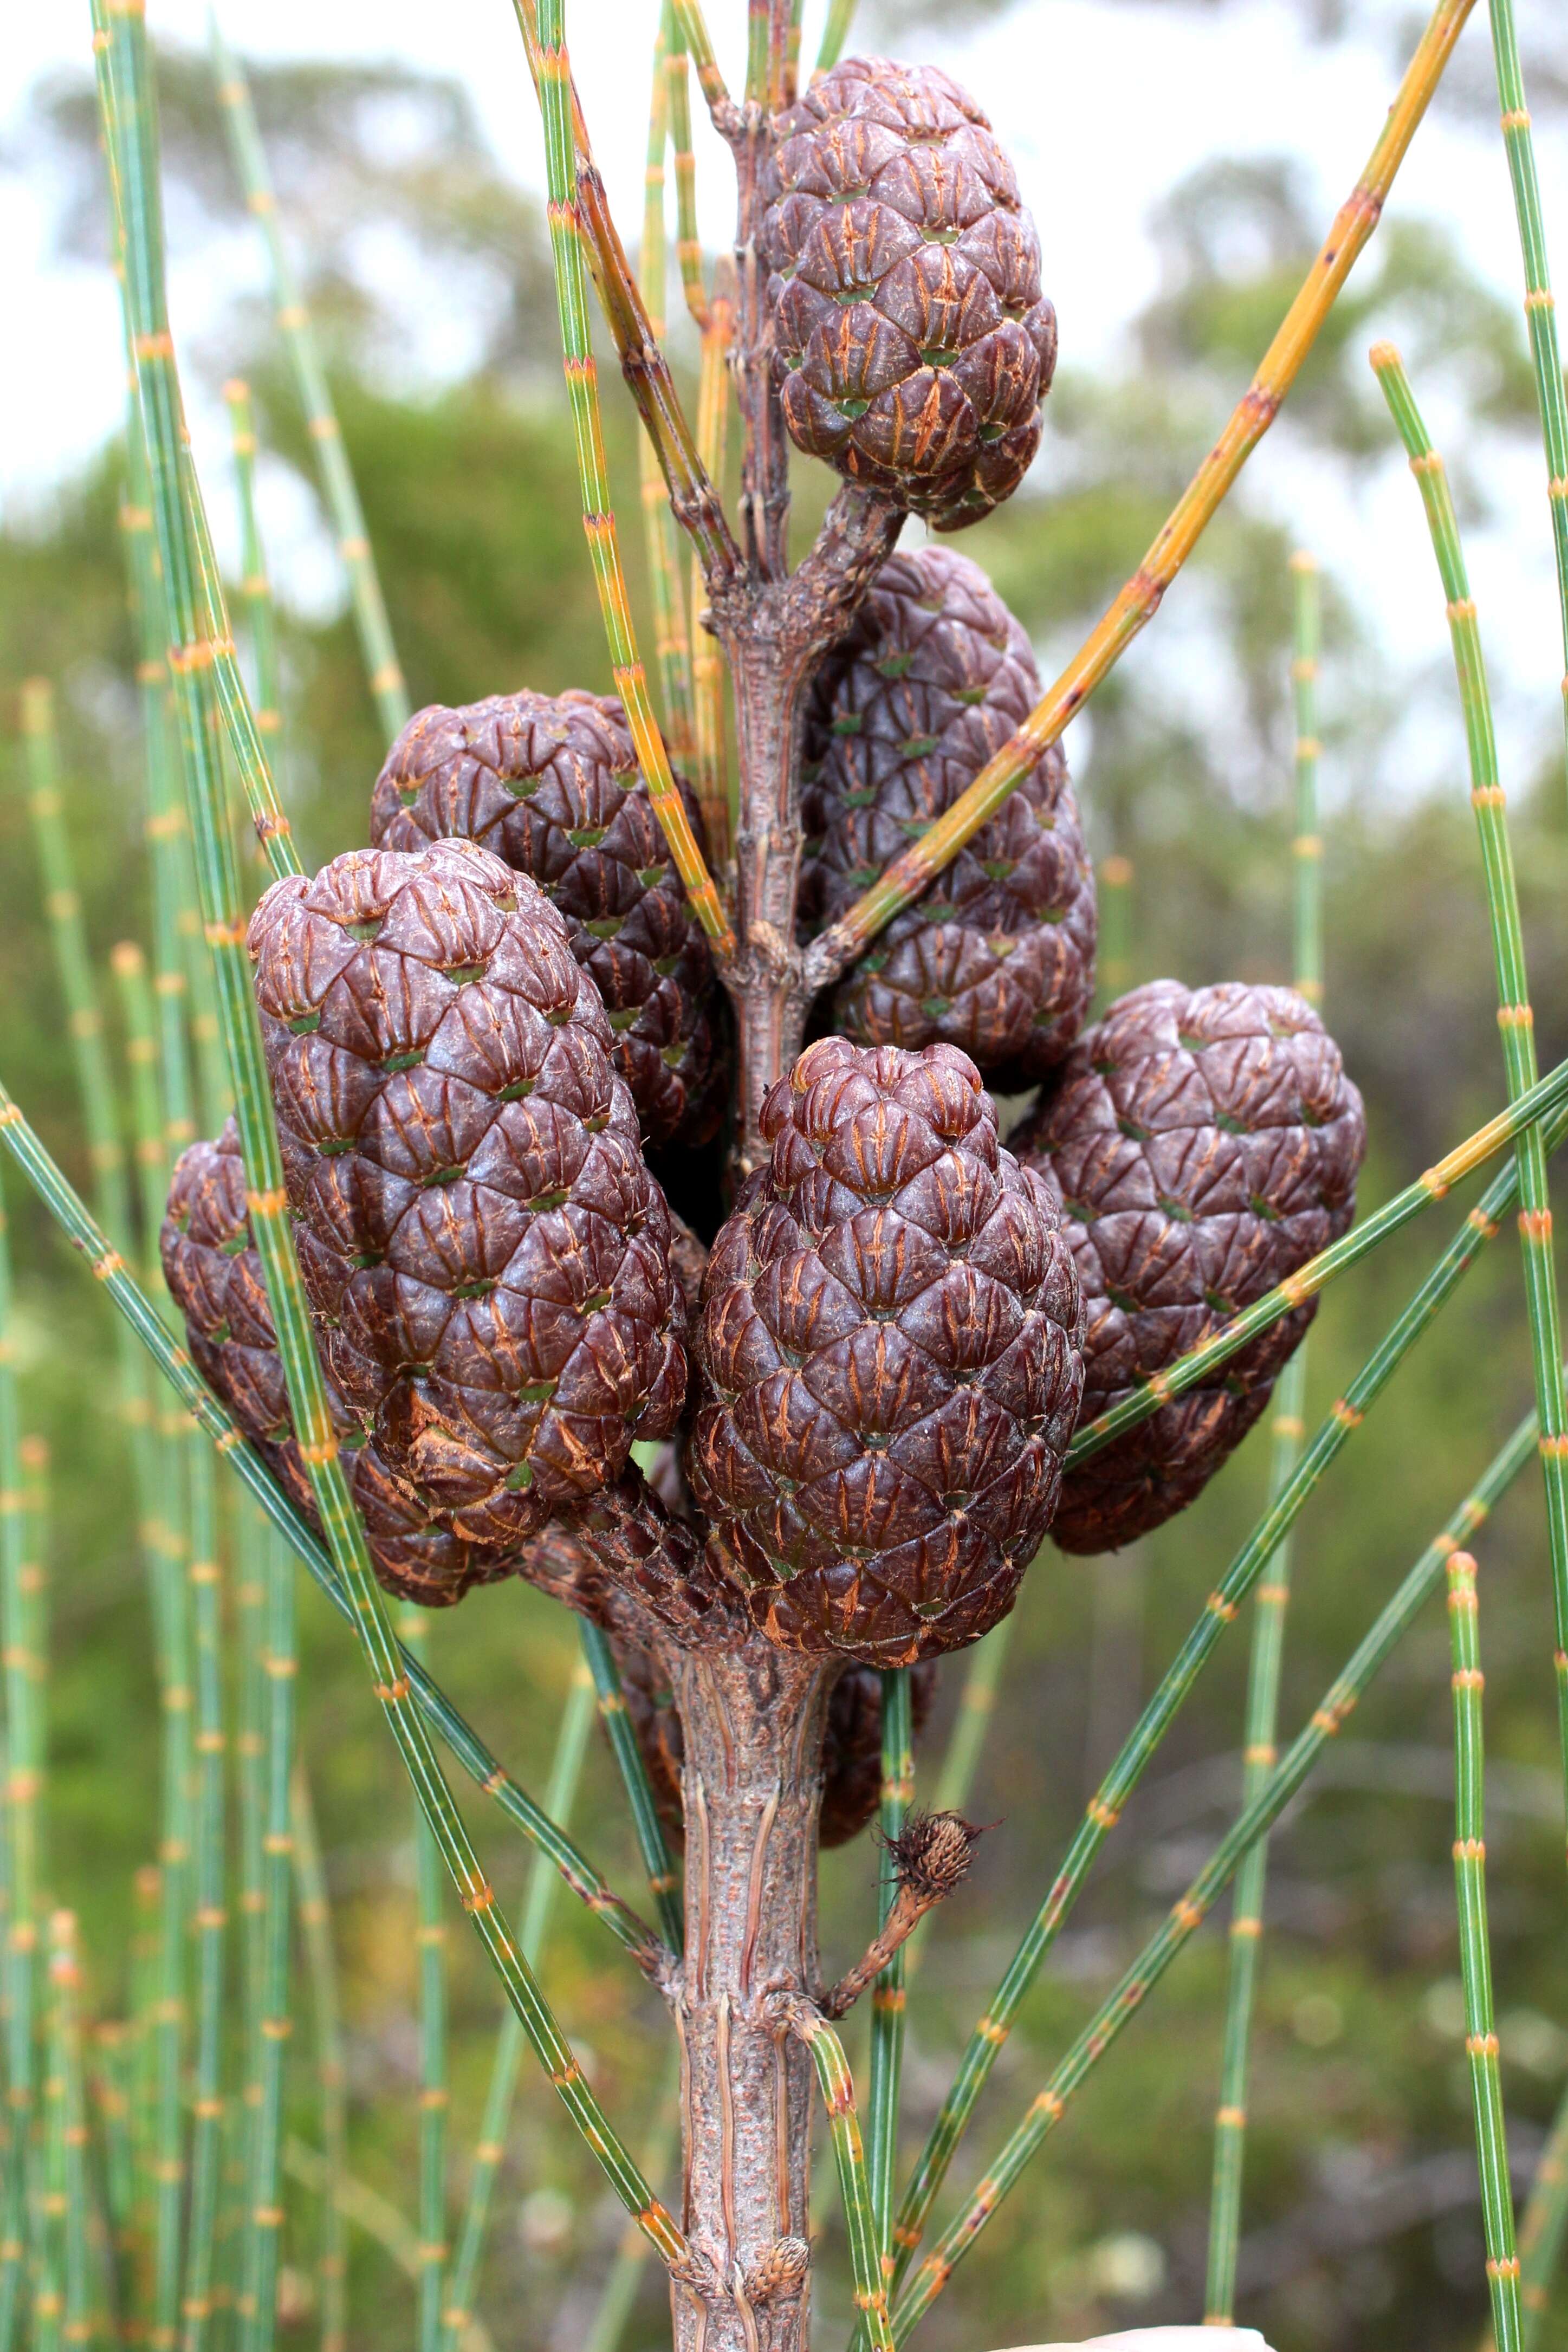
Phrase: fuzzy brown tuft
(782,2270)
(931,1854)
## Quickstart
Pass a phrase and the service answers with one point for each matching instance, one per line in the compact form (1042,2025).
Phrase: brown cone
(888,1344)
(551,785)
(214,1278)
(998,956)
(1205,1143)
(623,1540)
(910,335)
(486,1255)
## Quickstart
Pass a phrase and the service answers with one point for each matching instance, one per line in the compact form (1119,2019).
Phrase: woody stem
(751,1721)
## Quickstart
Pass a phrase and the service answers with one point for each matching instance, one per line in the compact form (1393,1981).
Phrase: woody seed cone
(551,785)
(910,335)
(486,1255)
(620,1539)
(998,956)
(888,1341)
(1204,1143)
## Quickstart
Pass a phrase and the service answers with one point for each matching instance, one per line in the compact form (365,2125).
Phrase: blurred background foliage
(1363,2228)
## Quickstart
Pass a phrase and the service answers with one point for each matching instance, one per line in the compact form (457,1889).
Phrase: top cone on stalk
(910,335)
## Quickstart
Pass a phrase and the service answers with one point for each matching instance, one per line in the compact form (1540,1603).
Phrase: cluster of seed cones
(479,1028)
(902,1322)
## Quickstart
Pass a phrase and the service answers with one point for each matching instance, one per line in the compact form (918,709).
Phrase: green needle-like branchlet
(565,1772)
(1345,1415)
(1539,308)
(262,2227)
(887,1992)
(169,1543)
(62,2302)
(971,1722)
(430,1946)
(73,958)
(837,2084)
(255,585)
(608,2324)
(1543,2226)
(157,1450)
(687,243)
(1273,1595)
(672,645)
(209,1917)
(1516,1021)
(710,782)
(24,1768)
(1189,1912)
(1475,1951)
(383,667)
(566,237)
(316,1924)
(698,46)
(175,927)
(663,1878)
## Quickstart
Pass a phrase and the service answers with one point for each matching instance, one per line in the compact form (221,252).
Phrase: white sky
(1103,106)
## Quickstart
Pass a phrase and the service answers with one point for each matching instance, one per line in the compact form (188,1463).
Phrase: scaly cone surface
(621,1542)
(551,785)
(889,1343)
(214,1278)
(998,956)
(910,339)
(1204,1143)
(487,1257)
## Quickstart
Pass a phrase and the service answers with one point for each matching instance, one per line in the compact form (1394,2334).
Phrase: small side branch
(930,1858)
(727,117)
(566,240)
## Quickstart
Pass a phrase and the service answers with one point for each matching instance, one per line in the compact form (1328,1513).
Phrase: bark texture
(752,1721)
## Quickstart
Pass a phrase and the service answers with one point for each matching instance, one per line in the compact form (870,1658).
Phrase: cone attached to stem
(551,785)
(909,336)
(998,956)
(1203,1144)
(889,1343)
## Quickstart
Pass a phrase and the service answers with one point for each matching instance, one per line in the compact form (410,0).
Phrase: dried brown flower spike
(998,958)
(551,785)
(889,1343)
(909,330)
(1205,1143)
(486,1253)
